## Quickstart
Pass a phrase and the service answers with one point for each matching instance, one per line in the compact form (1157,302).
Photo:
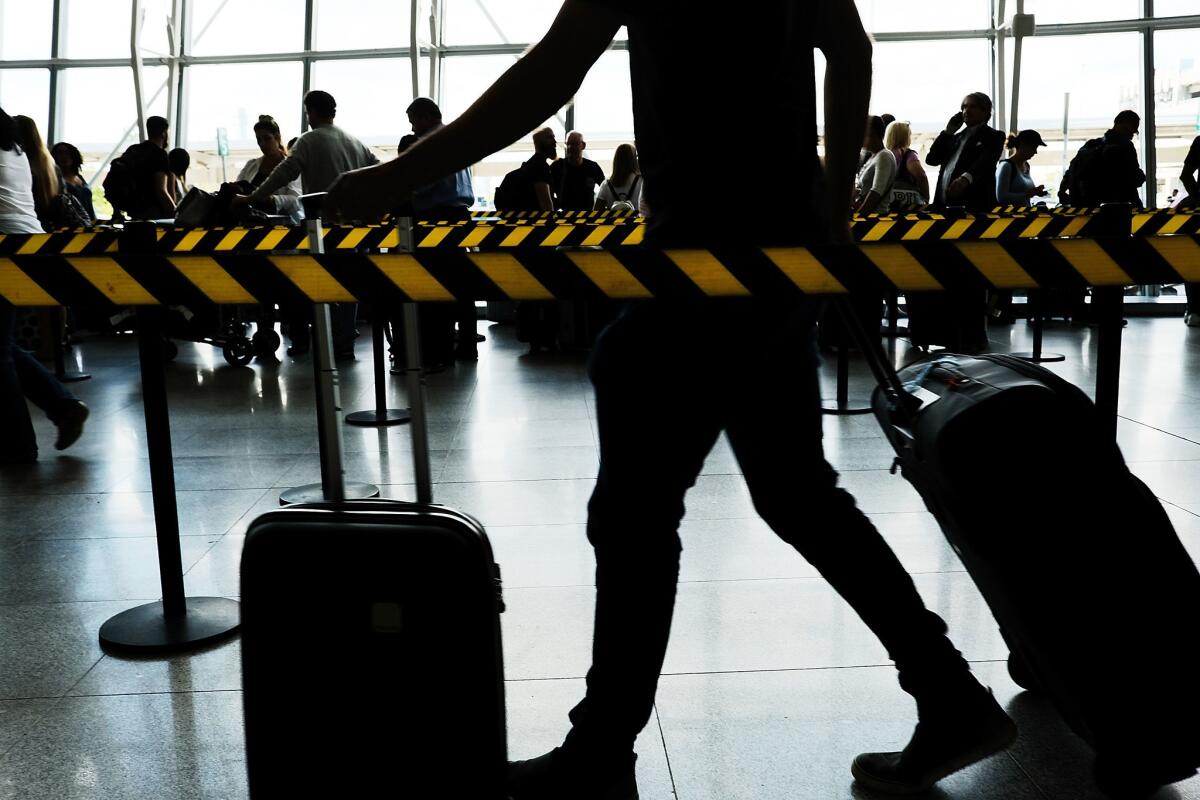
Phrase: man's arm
(284,173)
(531,91)
(545,199)
(162,190)
(941,150)
(840,36)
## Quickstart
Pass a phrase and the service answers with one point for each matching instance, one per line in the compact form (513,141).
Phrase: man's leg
(46,392)
(656,427)
(775,431)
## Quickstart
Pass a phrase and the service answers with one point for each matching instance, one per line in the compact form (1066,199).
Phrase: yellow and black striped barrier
(436,274)
(586,229)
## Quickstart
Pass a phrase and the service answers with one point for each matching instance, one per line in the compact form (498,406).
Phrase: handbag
(196,208)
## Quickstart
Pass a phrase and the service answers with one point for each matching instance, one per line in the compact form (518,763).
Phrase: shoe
(70,425)
(1192,319)
(553,777)
(942,744)
(466,354)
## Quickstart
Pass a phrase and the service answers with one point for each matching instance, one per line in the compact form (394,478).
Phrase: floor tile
(519,502)
(72,570)
(17,719)
(131,514)
(216,472)
(537,722)
(783,735)
(48,648)
(521,464)
(187,746)
(212,669)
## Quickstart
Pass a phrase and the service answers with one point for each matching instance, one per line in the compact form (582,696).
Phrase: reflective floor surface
(771,684)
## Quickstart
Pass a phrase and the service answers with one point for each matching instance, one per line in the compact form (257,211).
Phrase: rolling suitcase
(1095,595)
(371,655)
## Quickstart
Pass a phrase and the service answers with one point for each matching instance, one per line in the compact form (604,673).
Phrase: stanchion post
(841,406)
(1036,356)
(333,487)
(416,380)
(381,415)
(175,623)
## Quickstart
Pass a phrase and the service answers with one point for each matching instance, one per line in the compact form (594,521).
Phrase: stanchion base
(379,419)
(1044,358)
(145,629)
(315,493)
(835,409)
(73,377)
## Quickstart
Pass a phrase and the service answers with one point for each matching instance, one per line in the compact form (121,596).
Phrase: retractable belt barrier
(539,257)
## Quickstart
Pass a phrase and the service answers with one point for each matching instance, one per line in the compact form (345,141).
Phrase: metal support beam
(1149,124)
(414,11)
(135,62)
(53,134)
(309,11)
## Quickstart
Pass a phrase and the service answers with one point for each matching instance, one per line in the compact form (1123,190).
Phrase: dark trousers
(668,380)
(1193,297)
(21,376)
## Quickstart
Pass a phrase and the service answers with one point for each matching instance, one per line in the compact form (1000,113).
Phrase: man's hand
(1036,191)
(954,124)
(957,188)
(362,195)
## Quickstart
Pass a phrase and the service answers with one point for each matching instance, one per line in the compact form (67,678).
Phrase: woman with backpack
(70,164)
(56,207)
(623,189)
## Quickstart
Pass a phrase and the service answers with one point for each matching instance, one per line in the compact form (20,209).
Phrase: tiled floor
(771,683)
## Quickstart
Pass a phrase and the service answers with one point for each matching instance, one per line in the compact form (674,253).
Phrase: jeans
(21,376)
(668,380)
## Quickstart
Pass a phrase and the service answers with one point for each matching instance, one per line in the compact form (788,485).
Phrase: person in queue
(286,199)
(1188,176)
(625,184)
(876,177)
(967,157)
(658,410)
(574,178)
(22,375)
(1014,186)
(318,158)
(911,188)
(448,198)
(70,164)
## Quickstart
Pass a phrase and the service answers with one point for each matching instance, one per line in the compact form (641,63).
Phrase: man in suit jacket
(968,158)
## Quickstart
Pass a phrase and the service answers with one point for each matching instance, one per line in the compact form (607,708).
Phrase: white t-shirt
(878,175)
(630,190)
(17,214)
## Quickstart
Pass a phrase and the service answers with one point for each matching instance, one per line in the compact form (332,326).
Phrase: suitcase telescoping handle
(416,379)
(903,403)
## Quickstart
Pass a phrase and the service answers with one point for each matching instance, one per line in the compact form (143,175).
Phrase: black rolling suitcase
(371,656)
(1095,596)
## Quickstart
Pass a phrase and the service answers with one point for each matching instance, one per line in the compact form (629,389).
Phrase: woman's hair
(10,137)
(267,123)
(74,157)
(179,160)
(625,165)
(876,126)
(45,176)
(898,136)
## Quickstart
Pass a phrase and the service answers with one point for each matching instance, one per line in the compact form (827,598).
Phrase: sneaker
(553,776)
(70,425)
(941,745)
(1192,319)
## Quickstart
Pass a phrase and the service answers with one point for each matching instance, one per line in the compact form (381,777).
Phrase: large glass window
(1048,12)
(929,15)
(604,103)
(1087,78)
(498,21)
(220,28)
(96,30)
(1176,8)
(372,95)
(27,92)
(98,108)
(232,96)
(365,24)
(1176,105)
(25,29)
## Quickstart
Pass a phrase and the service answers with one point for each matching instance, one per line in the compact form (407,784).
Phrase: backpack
(126,185)
(624,200)
(1085,174)
(515,192)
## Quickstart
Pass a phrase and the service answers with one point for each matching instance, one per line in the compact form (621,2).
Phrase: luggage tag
(926,397)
